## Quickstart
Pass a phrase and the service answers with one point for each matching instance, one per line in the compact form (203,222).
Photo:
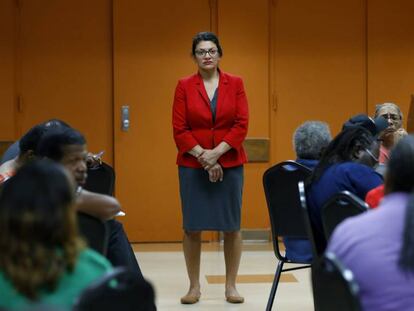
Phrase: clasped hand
(215,173)
(208,159)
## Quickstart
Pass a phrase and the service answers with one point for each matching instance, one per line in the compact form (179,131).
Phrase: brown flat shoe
(235,299)
(190,299)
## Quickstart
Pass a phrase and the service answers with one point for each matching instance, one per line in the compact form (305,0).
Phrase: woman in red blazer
(210,118)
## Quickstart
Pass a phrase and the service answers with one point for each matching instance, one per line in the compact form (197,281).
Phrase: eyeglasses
(371,155)
(391,116)
(203,53)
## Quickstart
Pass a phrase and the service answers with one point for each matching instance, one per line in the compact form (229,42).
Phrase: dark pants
(120,252)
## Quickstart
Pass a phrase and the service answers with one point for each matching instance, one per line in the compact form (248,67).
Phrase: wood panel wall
(319,66)
(300,60)
(8,31)
(390,53)
(65,67)
(244,34)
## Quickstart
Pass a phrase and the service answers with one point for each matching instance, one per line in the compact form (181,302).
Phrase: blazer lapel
(201,89)
(222,92)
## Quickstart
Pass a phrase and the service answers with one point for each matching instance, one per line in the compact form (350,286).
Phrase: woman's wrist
(221,149)
(218,153)
(197,151)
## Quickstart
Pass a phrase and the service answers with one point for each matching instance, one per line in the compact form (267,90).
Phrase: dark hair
(52,143)
(55,123)
(342,149)
(399,177)
(406,260)
(38,232)
(375,126)
(31,139)
(206,36)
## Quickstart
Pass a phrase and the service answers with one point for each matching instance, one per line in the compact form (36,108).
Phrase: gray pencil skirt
(211,206)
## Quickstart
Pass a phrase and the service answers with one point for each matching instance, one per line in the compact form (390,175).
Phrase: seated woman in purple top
(345,165)
(378,246)
(309,141)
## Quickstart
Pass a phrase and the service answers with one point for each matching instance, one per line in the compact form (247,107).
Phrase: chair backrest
(94,231)
(334,286)
(281,191)
(341,206)
(101,179)
(306,219)
(120,290)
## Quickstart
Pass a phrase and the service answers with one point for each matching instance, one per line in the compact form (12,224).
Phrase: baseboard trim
(253,235)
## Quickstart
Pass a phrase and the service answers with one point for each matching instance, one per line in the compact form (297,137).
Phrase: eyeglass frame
(202,53)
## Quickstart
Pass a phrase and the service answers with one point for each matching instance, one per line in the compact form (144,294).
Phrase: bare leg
(232,254)
(192,252)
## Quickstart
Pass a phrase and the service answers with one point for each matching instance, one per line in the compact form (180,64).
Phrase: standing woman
(210,118)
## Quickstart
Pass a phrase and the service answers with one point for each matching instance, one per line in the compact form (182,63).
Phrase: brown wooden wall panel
(244,33)
(390,53)
(152,48)
(66,67)
(300,60)
(7,69)
(319,66)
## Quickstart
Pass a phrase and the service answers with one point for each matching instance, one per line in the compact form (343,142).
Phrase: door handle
(125,118)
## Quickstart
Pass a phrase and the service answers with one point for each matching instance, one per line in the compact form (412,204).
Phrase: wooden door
(244,33)
(65,67)
(390,53)
(152,46)
(8,34)
(319,69)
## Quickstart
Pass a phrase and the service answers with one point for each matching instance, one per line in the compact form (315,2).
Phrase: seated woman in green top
(43,260)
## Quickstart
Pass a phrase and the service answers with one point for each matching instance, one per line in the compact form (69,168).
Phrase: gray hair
(310,139)
(380,106)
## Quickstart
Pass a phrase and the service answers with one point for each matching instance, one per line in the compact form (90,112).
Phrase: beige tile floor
(163,265)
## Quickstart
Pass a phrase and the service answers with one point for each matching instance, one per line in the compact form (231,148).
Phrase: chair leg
(274,286)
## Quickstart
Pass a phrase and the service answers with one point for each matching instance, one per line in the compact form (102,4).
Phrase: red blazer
(193,121)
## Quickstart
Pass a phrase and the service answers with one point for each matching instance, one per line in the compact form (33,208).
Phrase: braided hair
(342,148)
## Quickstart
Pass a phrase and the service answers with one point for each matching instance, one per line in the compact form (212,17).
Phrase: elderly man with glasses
(390,136)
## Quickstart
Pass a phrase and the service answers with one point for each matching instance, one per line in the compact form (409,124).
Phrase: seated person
(68,147)
(42,258)
(375,126)
(309,141)
(392,114)
(14,150)
(28,150)
(374,196)
(377,246)
(394,132)
(27,147)
(345,165)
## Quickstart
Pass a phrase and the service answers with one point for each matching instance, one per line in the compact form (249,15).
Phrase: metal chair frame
(273,188)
